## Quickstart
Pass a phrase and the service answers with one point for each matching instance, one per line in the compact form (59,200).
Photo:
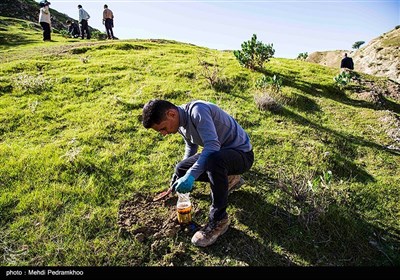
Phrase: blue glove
(184,184)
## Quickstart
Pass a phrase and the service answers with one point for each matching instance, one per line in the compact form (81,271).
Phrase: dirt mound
(328,58)
(145,218)
(154,224)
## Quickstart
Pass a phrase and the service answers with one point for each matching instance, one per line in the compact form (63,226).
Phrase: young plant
(275,83)
(342,79)
(211,72)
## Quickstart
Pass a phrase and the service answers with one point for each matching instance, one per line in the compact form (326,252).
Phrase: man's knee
(180,169)
(215,160)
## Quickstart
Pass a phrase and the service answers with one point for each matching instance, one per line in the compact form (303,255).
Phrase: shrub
(274,83)
(211,72)
(342,79)
(254,53)
(99,35)
(302,56)
(65,34)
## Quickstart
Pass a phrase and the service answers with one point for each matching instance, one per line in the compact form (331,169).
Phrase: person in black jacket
(73,29)
(347,62)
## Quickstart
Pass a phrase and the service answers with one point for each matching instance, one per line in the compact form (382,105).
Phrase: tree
(254,53)
(357,44)
(302,56)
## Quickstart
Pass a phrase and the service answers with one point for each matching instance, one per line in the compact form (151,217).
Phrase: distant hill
(380,57)
(29,10)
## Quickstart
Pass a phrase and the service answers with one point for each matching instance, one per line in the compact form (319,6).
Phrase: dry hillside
(380,57)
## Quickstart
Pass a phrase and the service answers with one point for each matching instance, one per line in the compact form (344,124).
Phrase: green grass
(72,148)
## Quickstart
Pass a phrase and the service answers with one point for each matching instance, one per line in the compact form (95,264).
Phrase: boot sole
(237,186)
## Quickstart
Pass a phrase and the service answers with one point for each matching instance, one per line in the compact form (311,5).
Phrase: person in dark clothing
(108,21)
(73,29)
(347,62)
(227,152)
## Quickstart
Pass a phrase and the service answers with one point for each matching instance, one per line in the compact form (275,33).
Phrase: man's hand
(184,184)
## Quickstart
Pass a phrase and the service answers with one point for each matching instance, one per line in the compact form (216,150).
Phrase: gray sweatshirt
(205,124)
(83,15)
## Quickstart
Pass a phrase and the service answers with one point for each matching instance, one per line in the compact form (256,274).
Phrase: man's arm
(190,149)
(205,127)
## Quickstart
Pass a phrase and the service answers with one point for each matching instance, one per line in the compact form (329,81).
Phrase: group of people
(74,30)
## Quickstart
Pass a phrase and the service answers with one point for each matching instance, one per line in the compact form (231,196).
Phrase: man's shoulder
(199,104)
(194,106)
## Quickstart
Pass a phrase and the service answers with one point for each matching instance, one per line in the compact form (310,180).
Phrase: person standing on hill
(45,20)
(227,153)
(108,21)
(83,21)
(347,62)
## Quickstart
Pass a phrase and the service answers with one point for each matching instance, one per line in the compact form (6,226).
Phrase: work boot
(234,182)
(209,234)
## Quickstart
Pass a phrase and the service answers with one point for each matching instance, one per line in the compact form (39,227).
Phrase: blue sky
(292,26)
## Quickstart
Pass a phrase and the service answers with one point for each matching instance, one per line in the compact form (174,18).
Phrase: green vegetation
(323,191)
(342,79)
(254,53)
(357,44)
(302,56)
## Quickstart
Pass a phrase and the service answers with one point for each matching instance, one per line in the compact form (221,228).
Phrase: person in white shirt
(83,21)
(45,20)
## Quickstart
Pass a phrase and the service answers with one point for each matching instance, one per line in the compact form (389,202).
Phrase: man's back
(347,62)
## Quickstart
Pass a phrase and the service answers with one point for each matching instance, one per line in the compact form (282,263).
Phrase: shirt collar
(182,117)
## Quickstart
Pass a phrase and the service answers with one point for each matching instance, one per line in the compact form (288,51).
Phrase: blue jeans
(219,165)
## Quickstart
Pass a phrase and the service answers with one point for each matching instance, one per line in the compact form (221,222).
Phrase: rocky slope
(380,57)
(29,10)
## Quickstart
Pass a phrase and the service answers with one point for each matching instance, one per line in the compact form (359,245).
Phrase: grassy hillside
(78,170)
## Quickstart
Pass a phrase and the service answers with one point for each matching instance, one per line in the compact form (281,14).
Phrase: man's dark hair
(154,112)
(79,6)
(44,3)
(105,6)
